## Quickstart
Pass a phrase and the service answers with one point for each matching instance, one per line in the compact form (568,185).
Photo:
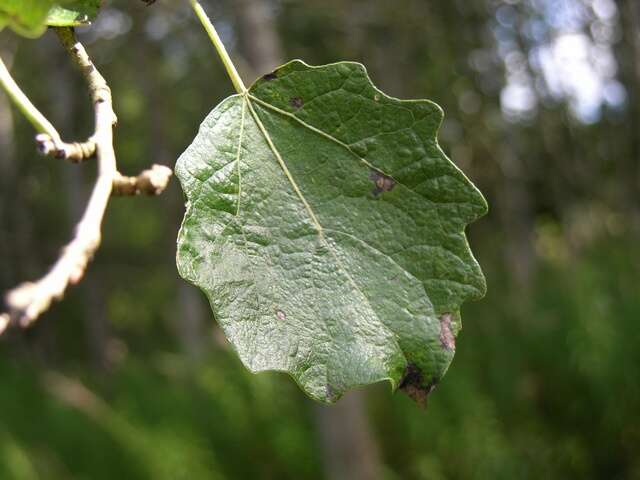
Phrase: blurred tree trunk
(16,238)
(15,222)
(349,449)
(189,319)
(516,211)
(630,73)
(258,37)
(20,258)
(191,322)
(7,180)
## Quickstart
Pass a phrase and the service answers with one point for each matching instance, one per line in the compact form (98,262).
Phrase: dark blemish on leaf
(382,183)
(447,339)
(297,102)
(412,384)
(270,76)
(280,315)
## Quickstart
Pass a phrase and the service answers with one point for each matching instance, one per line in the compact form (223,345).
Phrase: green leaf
(326,227)
(73,13)
(30,18)
(25,17)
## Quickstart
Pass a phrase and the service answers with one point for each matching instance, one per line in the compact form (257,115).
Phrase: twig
(150,182)
(29,300)
(48,139)
(75,152)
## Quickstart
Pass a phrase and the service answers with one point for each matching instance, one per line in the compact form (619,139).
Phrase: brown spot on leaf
(412,384)
(382,182)
(447,338)
(297,102)
(270,76)
(280,315)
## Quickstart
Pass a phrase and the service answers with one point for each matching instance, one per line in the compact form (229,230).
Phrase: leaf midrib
(352,152)
(283,165)
(325,135)
(316,222)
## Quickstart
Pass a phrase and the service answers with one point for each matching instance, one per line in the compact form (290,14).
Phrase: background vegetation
(130,378)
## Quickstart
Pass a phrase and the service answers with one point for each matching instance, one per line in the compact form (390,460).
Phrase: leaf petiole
(222,51)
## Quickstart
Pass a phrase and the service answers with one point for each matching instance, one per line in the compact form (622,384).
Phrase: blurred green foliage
(542,387)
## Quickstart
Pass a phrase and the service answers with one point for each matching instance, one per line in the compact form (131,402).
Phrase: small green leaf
(326,227)
(25,17)
(73,13)
(30,18)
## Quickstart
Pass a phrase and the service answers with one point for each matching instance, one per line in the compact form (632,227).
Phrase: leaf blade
(73,13)
(30,18)
(313,286)
(25,17)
